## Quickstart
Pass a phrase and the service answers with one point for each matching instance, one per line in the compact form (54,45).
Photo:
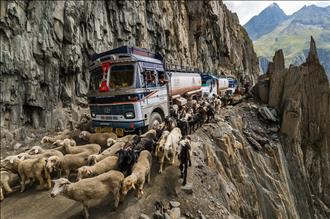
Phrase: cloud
(247,9)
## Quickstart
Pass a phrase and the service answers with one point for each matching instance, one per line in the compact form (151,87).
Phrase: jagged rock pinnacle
(312,56)
(278,60)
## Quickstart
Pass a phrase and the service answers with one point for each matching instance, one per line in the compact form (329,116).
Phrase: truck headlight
(129,115)
(93,115)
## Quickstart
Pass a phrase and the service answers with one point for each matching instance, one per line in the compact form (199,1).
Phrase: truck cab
(232,85)
(209,85)
(128,90)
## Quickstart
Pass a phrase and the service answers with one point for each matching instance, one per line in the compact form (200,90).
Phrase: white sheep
(126,138)
(34,168)
(95,188)
(105,165)
(151,134)
(170,146)
(40,152)
(140,173)
(97,138)
(60,142)
(160,149)
(11,163)
(92,159)
(70,147)
(61,135)
(217,105)
(67,163)
(7,179)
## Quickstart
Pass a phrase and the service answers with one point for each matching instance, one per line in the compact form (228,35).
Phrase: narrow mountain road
(38,204)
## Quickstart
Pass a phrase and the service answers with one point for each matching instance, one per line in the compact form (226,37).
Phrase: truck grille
(112,109)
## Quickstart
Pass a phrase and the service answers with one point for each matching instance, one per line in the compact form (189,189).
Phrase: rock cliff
(45,48)
(240,169)
(302,96)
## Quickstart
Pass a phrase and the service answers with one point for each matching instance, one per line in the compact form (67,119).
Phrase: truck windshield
(121,76)
(205,82)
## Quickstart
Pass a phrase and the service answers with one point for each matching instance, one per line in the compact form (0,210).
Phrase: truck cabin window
(150,78)
(121,76)
(162,78)
(205,82)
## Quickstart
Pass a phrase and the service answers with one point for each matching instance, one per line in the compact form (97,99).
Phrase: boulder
(188,188)
(266,113)
(174,204)
(175,213)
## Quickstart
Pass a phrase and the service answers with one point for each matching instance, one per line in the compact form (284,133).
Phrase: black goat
(184,157)
(128,156)
(210,113)
(126,159)
(196,122)
(141,144)
(184,127)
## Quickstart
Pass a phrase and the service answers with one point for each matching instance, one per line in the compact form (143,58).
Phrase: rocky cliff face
(240,169)
(45,48)
(302,95)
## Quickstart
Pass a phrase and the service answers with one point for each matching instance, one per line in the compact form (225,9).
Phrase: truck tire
(155,119)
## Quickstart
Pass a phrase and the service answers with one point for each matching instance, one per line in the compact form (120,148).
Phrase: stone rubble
(267,114)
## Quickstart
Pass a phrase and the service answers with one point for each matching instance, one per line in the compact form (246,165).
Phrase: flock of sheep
(107,164)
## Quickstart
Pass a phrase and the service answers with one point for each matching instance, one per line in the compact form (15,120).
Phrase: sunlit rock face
(302,96)
(45,48)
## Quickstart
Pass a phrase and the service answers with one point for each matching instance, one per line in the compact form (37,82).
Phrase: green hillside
(293,37)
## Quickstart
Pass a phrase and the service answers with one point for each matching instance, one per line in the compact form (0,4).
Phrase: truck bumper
(127,126)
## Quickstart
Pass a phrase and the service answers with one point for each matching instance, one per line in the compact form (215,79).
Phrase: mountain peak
(309,8)
(265,21)
(274,5)
(272,8)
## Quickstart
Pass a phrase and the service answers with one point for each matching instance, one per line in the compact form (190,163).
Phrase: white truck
(212,85)
(131,90)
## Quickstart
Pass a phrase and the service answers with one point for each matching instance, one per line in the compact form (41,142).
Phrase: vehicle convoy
(132,89)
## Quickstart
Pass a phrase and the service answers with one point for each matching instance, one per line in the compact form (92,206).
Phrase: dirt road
(34,204)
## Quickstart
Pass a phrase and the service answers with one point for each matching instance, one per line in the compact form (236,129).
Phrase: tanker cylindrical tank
(182,83)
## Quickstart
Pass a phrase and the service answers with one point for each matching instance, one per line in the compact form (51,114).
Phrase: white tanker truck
(130,89)
(212,85)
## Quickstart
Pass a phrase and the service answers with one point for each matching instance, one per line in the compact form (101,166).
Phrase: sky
(247,9)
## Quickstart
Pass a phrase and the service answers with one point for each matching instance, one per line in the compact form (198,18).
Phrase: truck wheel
(155,120)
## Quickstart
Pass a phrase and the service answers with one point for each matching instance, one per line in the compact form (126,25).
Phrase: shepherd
(184,157)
